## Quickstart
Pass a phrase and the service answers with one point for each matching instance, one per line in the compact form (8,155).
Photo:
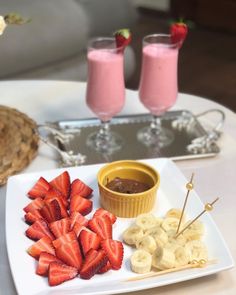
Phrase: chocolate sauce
(127,186)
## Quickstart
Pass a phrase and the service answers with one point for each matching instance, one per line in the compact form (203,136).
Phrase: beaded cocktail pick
(207,207)
(189,187)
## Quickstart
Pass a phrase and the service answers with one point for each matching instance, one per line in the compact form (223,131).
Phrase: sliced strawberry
(102,226)
(62,184)
(42,245)
(31,217)
(60,227)
(114,251)
(78,187)
(123,37)
(102,212)
(59,273)
(89,240)
(178,32)
(80,204)
(79,218)
(52,194)
(38,230)
(39,189)
(51,211)
(105,268)
(34,205)
(70,236)
(94,261)
(44,260)
(70,254)
(77,228)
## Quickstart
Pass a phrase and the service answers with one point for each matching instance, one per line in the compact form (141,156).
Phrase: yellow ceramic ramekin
(128,205)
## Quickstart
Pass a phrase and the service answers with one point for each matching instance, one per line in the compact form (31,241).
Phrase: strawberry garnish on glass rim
(123,37)
(178,32)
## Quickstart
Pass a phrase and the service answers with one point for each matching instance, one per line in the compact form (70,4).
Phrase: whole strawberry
(123,37)
(178,32)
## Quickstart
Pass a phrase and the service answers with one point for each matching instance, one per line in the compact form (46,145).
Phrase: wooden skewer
(208,207)
(193,264)
(189,187)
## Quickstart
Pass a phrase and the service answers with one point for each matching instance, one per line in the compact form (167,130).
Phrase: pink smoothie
(105,89)
(158,83)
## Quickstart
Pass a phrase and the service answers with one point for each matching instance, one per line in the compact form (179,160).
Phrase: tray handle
(207,143)
(68,158)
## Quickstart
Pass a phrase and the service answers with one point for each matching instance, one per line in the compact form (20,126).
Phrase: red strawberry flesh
(62,183)
(44,260)
(114,251)
(39,189)
(102,226)
(59,273)
(70,254)
(94,261)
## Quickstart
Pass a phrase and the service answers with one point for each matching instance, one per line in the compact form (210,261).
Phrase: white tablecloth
(53,100)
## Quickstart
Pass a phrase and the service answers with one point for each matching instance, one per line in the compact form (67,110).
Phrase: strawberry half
(102,212)
(70,254)
(70,236)
(105,268)
(62,184)
(44,260)
(60,227)
(114,251)
(39,189)
(77,228)
(52,194)
(78,187)
(31,217)
(59,273)
(51,211)
(94,261)
(102,226)
(42,245)
(38,230)
(34,205)
(89,240)
(178,32)
(123,37)
(81,205)
(76,217)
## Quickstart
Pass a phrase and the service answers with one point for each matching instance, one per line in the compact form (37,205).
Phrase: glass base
(106,144)
(155,138)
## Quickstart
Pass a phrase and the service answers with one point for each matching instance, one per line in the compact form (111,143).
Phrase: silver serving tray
(190,138)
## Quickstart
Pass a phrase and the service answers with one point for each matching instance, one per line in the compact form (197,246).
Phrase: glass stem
(104,130)
(155,126)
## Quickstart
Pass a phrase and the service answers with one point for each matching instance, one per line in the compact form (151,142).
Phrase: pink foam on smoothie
(106,89)
(158,84)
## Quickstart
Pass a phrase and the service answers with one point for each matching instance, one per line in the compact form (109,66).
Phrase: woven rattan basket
(18,142)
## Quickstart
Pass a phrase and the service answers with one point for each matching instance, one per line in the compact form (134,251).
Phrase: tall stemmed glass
(105,94)
(158,87)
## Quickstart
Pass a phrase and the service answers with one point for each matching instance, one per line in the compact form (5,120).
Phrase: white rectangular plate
(171,194)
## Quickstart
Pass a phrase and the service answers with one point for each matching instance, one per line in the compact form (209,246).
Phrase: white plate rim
(122,286)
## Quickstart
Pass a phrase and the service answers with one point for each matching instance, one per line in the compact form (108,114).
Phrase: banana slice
(158,234)
(196,250)
(170,223)
(181,256)
(163,258)
(195,231)
(159,221)
(180,240)
(146,221)
(146,243)
(175,212)
(132,234)
(141,261)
